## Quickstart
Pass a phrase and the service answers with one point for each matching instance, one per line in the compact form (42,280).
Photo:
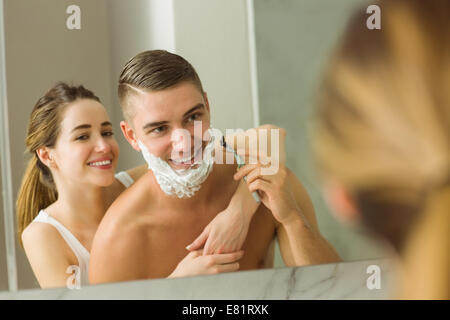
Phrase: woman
(382,140)
(383,137)
(69,183)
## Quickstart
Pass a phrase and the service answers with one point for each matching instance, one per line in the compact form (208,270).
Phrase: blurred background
(259,61)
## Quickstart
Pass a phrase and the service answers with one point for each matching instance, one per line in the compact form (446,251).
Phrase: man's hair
(153,70)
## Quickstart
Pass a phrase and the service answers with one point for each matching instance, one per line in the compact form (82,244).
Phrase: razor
(240,163)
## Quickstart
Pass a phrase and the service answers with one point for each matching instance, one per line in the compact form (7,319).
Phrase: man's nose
(181,140)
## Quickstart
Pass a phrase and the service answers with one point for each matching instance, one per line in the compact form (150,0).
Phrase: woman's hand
(196,264)
(228,230)
(225,233)
(274,191)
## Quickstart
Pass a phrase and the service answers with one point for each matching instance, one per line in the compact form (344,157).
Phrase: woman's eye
(107,133)
(82,137)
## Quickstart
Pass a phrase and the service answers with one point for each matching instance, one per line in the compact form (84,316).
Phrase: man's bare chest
(172,232)
(169,233)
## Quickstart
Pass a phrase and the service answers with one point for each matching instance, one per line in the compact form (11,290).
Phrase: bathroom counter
(344,280)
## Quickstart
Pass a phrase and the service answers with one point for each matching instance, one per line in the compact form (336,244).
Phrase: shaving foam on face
(182,183)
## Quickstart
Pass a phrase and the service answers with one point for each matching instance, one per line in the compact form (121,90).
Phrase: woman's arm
(46,252)
(228,230)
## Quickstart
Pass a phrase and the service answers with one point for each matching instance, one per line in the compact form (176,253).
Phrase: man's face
(164,122)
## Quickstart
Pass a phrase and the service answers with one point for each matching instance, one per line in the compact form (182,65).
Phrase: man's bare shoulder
(128,215)
(126,223)
(133,201)
(122,239)
(119,252)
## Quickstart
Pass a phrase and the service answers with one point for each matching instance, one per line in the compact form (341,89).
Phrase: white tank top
(124,178)
(78,249)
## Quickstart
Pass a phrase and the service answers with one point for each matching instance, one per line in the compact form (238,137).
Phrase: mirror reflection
(103,91)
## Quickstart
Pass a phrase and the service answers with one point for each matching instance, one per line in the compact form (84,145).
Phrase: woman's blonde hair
(38,189)
(383,132)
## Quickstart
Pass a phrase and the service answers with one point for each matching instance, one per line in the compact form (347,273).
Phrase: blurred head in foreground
(382,137)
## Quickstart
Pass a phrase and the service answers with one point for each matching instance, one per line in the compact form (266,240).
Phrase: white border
(5,157)
(252,60)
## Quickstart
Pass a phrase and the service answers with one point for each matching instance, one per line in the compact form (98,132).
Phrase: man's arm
(300,240)
(282,193)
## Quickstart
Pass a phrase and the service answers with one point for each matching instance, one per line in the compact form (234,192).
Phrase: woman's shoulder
(137,172)
(42,236)
(40,233)
(48,254)
(43,241)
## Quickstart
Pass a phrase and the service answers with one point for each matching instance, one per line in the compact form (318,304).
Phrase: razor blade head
(222,142)
(239,160)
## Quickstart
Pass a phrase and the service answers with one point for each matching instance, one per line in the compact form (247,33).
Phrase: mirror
(259,62)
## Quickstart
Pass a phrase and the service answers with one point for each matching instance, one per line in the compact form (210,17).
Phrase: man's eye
(107,133)
(159,129)
(194,117)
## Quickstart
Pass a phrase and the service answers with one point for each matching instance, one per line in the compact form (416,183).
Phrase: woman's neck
(81,206)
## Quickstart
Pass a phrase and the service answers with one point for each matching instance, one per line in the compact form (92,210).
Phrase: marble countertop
(344,280)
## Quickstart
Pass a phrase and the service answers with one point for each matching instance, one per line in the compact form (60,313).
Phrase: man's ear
(130,135)
(45,156)
(205,96)
(341,203)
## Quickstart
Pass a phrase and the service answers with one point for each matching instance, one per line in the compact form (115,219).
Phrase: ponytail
(427,255)
(35,193)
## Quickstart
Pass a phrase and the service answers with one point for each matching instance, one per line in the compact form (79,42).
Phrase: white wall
(293,40)
(40,50)
(212,35)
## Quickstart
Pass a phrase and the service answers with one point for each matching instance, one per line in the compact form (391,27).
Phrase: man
(145,232)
